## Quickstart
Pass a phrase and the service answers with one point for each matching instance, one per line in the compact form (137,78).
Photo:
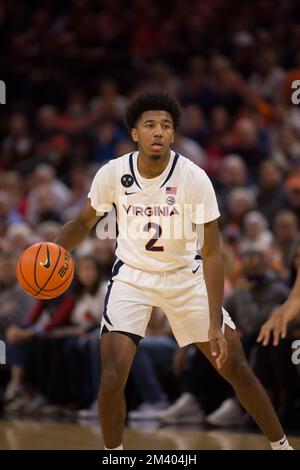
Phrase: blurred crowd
(70,69)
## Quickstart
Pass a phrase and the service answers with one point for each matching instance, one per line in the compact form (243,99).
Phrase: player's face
(154,133)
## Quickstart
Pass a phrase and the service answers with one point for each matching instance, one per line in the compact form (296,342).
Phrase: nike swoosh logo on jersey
(47,263)
(129,193)
(195,270)
(282,442)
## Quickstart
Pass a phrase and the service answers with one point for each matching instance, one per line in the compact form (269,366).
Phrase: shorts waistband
(196,258)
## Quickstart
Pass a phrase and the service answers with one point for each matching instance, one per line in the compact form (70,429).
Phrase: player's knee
(112,381)
(238,371)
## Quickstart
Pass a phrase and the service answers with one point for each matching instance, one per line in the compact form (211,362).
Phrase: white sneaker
(148,410)
(229,413)
(17,405)
(35,404)
(12,392)
(89,413)
(185,410)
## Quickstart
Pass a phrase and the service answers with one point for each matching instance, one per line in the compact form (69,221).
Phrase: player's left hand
(218,345)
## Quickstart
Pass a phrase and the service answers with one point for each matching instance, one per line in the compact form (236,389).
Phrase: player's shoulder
(109,168)
(190,169)
(118,161)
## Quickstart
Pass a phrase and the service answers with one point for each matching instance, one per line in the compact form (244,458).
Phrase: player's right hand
(218,345)
(276,325)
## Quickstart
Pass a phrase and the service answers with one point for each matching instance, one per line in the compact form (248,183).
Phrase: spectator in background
(108,135)
(268,76)
(286,149)
(273,364)
(108,102)
(256,295)
(240,202)
(47,231)
(17,147)
(8,213)
(194,125)
(227,84)
(81,345)
(46,208)
(15,304)
(233,174)
(270,190)
(219,129)
(246,140)
(79,182)
(11,183)
(292,187)
(21,338)
(20,236)
(187,146)
(257,235)
(49,194)
(73,318)
(286,230)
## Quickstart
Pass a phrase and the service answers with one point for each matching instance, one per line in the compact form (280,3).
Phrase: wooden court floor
(48,435)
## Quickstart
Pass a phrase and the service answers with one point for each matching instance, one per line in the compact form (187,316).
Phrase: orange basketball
(45,270)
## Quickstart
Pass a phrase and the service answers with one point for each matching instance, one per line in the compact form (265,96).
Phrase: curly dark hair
(150,102)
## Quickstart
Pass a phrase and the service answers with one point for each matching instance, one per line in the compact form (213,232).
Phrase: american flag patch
(171,190)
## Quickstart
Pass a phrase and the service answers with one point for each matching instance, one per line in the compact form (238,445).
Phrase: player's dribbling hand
(218,345)
(276,324)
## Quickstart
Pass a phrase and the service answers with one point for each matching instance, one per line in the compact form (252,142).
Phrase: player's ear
(173,137)
(134,135)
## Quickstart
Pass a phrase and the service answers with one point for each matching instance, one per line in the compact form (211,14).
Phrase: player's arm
(281,316)
(74,231)
(213,267)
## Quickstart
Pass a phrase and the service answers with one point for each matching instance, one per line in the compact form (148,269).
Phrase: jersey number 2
(150,246)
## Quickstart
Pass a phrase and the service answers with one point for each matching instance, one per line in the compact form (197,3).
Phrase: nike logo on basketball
(195,270)
(47,263)
(129,193)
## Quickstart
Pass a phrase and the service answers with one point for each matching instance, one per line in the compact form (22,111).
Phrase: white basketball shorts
(181,294)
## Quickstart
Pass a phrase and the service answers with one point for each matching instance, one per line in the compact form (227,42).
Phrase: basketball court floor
(49,435)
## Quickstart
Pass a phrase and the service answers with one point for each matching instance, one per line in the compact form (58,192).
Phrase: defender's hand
(276,324)
(218,345)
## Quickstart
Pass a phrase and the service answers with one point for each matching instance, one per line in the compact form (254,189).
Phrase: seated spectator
(258,292)
(71,319)
(20,338)
(270,190)
(15,303)
(233,174)
(248,305)
(257,236)
(273,365)
(286,230)
(240,202)
(81,345)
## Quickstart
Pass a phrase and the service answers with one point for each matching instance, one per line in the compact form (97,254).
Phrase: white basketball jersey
(155,217)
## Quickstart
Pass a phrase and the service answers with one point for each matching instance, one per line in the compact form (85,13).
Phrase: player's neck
(149,167)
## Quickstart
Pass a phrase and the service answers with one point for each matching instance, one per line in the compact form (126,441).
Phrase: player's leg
(117,353)
(128,307)
(247,387)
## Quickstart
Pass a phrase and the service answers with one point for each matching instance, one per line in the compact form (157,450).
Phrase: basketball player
(282,315)
(156,193)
